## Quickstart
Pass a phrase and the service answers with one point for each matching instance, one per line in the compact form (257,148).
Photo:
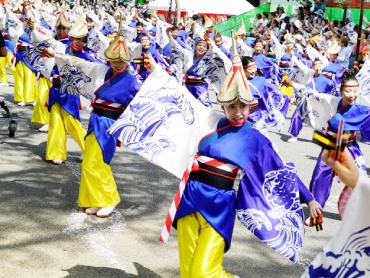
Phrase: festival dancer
(7,61)
(64,108)
(206,212)
(321,84)
(40,113)
(272,103)
(114,87)
(324,112)
(25,79)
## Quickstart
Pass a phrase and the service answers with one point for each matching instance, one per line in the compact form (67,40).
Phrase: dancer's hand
(287,82)
(51,52)
(345,166)
(315,208)
(149,63)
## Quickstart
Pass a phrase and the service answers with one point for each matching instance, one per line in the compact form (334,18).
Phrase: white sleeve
(315,108)
(80,76)
(276,47)
(243,49)
(313,53)
(300,73)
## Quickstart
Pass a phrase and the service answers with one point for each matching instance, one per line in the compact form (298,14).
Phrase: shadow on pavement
(84,271)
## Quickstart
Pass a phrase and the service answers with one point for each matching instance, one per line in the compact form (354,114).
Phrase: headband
(250,65)
(344,85)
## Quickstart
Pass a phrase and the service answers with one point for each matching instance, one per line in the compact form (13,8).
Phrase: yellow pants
(201,248)
(60,122)
(3,77)
(40,113)
(97,186)
(9,63)
(24,83)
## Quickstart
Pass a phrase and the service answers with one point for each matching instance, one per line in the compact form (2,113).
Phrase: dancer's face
(250,71)
(201,48)
(118,66)
(237,113)
(78,43)
(317,67)
(349,92)
(145,43)
(218,41)
(62,32)
(258,48)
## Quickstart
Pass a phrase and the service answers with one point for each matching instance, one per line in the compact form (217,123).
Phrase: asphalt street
(44,234)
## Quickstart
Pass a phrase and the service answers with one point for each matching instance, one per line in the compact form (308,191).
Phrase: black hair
(175,28)
(335,23)
(257,41)
(317,59)
(266,14)
(348,75)
(139,24)
(247,60)
(276,23)
(218,35)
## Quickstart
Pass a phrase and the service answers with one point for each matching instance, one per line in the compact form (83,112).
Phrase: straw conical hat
(241,30)
(118,50)
(154,15)
(235,85)
(208,22)
(117,13)
(63,21)
(79,29)
(334,47)
(288,38)
(181,22)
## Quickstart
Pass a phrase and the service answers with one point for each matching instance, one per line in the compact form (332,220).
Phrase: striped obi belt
(107,108)
(351,139)
(193,80)
(56,81)
(206,170)
(328,74)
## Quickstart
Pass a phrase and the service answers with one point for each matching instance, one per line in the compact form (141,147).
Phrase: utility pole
(178,16)
(359,29)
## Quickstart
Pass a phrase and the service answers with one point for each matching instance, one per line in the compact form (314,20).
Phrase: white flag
(164,123)
(348,252)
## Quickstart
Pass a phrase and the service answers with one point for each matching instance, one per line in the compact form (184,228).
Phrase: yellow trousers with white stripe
(201,248)
(97,187)
(9,63)
(61,121)
(40,113)
(24,83)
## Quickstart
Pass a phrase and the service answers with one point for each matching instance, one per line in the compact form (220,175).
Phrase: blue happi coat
(120,88)
(269,194)
(336,71)
(323,85)
(272,103)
